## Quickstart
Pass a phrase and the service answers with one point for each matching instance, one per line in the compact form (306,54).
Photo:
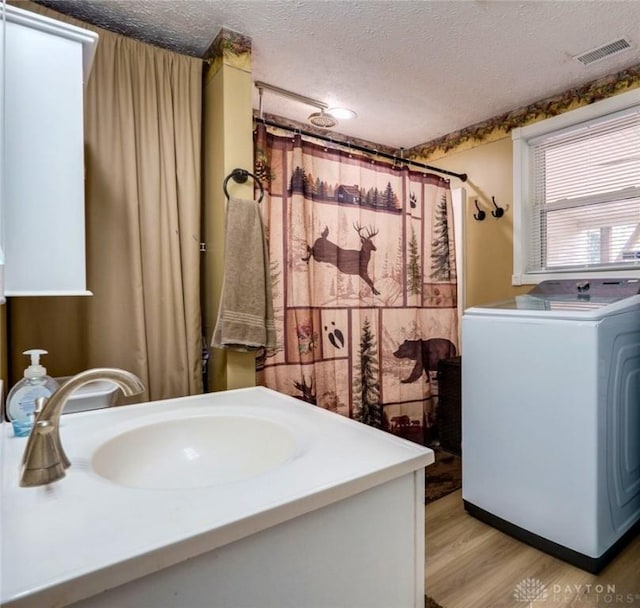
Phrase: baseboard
(584,562)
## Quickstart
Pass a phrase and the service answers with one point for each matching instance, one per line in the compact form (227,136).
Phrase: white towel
(245,316)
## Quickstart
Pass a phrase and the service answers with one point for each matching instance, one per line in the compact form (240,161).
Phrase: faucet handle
(42,463)
(44,425)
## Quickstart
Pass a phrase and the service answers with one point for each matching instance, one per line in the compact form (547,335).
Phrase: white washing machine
(551,417)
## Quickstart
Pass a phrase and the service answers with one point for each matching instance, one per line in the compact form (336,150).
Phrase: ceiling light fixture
(342,113)
(325,118)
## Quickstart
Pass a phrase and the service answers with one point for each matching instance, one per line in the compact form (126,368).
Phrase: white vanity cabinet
(338,523)
(366,551)
(46,65)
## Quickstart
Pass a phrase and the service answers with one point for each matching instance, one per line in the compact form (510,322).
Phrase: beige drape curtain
(142,141)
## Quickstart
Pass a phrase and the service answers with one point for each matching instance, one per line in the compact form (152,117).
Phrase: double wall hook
(498,211)
(481,214)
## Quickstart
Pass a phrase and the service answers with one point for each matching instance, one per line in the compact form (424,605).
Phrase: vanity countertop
(83,534)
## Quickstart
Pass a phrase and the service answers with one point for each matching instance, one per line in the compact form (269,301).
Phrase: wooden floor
(472,565)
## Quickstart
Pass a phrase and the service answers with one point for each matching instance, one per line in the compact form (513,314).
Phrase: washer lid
(604,289)
(568,299)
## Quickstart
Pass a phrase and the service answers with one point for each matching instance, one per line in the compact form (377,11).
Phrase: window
(577,193)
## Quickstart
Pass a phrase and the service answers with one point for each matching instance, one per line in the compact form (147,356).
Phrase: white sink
(194,452)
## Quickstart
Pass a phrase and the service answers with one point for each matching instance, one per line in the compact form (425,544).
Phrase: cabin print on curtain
(364,282)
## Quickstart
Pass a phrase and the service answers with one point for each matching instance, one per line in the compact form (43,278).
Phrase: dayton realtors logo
(530,590)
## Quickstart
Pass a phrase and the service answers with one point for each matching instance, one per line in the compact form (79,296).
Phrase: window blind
(584,209)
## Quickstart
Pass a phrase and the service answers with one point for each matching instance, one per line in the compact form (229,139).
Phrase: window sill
(538,277)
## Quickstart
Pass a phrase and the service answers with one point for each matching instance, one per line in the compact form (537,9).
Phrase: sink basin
(194,452)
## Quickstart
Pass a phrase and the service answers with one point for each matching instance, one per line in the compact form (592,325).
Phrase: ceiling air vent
(604,51)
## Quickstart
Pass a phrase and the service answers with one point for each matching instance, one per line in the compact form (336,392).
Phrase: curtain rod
(270,123)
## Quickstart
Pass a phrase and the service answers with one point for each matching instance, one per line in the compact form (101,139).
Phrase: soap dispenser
(21,400)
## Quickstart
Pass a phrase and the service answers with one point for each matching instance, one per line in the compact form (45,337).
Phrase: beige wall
(227,144)
(56,324)
(489,243)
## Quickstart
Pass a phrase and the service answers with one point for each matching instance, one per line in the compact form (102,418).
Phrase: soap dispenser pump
(21,400)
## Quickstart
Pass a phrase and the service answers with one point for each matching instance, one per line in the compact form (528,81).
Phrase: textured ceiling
(413,70)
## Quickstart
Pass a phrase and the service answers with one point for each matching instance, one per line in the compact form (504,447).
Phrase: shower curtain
(364,282)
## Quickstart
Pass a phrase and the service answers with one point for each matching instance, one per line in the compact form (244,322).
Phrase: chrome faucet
(44,460)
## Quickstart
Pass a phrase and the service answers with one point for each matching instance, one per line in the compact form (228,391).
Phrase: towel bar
(240,176)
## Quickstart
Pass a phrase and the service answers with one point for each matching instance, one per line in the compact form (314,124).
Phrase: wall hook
(481,214)
(498,211)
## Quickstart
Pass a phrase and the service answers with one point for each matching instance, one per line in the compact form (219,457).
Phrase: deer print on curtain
(363,280)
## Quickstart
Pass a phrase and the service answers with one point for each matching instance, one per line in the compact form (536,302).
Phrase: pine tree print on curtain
(366,383)
(362,316)
(414,273)
(440,254)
